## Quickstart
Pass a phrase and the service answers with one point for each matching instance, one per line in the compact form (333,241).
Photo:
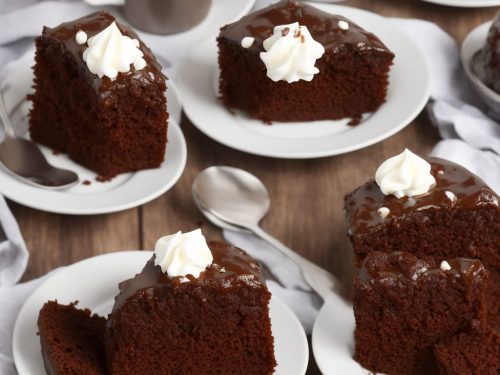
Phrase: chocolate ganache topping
(455,187)
(93,24)
(324,28)
(408,267)
(230,266)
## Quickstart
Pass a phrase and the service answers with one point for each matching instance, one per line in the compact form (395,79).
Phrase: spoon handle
(9,130)
(319,279)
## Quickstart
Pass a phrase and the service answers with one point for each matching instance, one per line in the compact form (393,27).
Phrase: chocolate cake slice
(215,323)
(459,216)
(486,61)
(353,70)
(72,340)
(475,353)
(109,125)
(404,306)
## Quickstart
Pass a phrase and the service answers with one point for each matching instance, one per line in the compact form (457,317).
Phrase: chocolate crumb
(86,182)
(354,121)
(285,31)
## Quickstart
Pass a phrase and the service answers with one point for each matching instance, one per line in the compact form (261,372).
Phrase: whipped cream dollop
(405,174)
(110,52)
(182,254)
(291,54)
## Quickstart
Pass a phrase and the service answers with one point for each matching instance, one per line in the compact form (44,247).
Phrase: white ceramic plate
(466,3)
(122,192)
(333,339)
(94,283)
(407,95)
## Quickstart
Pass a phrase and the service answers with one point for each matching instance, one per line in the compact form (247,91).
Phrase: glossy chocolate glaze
(323,27)
(405,265)
(486,62)
(230,265)
(93,24)
(470,191)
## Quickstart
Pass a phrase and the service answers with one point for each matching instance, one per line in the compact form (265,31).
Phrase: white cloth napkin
(13,260)
(470,137)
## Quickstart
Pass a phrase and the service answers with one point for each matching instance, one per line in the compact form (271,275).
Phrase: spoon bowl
(236,195)
(24,160)
(215,220)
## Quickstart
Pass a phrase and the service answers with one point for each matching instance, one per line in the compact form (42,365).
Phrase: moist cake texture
(217,323)
(475,353)
(110,126)
(404,306)
(72,340)
(353,71)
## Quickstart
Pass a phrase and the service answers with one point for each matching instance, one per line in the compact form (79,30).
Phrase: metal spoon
(239,199)
(24,160)
(215,220)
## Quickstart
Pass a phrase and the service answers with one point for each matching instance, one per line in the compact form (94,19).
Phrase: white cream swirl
(291,54)
(110,52)
(182,254)
(405,174)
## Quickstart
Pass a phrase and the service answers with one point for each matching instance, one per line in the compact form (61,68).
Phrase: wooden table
(306,195)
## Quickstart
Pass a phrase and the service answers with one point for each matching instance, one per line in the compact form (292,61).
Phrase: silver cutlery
(235,199)
(24,160)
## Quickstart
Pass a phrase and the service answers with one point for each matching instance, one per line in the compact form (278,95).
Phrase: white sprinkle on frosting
(343,25)
(383,212)
(445,266)
(441,172)
(139,63)
(247,41)
(452,197)
(81,37)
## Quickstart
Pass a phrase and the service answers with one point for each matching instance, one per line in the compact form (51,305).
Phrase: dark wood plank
(57,240)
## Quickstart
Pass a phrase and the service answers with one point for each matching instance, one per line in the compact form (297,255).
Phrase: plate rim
(292,154)
(334,302)
(143,255)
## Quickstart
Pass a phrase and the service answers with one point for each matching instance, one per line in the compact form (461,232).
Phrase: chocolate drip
(323,27)
(469,190)
(230,265)
(405,265)
(93,24)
